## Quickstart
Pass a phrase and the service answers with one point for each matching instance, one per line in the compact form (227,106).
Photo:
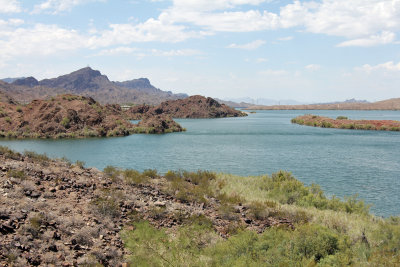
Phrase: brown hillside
(192,107)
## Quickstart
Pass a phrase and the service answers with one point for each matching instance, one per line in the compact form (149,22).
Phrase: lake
(342,162)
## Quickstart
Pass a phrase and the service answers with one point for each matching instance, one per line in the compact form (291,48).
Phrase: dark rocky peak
(212,102)
(141,83)
(30,82)
(87,72)
(78,81)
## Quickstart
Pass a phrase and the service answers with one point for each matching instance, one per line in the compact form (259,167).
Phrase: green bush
(80,164)
(17,174)
(342,118)
(134,177)
(112,172)
(107,203)
(150,173)
(65,122)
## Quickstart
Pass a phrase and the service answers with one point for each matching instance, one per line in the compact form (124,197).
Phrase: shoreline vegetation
(57,212)
(343,122)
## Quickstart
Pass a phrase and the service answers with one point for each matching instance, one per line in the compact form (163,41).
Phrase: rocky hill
(54,212)
(389,104)
(73,116)
(192,107)
(92,83)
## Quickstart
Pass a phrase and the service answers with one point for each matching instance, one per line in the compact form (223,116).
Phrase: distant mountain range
(262,101)
(389,104)
(88,82)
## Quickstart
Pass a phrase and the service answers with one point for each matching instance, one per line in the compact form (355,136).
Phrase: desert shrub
(19,109)
(342,118)
(39,157)
(258,210)
(17,174)
(134,177)
(8,153)
(172,175)
(157,213)
(8,120)
(65,122)
(85,235)
(80,164)
(152,247)
(107,202)
(326,124)
(191,186)
(316,242)
(112,172)
(227,212)
(225,198)
(150,173)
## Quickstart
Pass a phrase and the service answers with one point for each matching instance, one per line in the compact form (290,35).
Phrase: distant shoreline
(390,104)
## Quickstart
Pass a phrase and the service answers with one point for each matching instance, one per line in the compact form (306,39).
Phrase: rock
(35,194)
(160,203)
(53,248)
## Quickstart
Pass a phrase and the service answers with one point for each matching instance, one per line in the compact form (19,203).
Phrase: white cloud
(313,67)
(383,38)
(174,53)
(210,5)
(39,40)
(249,46)
(364,22)
(388,66)
(57,6)
(148,31)
(10,22)
(359,20)
(121,50)
(10,6)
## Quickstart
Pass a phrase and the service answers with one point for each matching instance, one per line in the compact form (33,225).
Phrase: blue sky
(309,51)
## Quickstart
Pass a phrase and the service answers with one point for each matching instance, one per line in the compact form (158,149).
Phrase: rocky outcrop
(192,107)
(29,82)
(70,116)
(160,123)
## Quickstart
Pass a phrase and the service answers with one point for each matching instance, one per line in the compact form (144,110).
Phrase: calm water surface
(343,162)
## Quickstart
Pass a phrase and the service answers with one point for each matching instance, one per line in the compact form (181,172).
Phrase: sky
(309,51)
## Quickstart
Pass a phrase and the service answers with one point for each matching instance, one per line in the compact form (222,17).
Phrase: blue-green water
(343,162)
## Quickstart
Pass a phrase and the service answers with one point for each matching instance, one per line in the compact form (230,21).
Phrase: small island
(73,116)
(343,122)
